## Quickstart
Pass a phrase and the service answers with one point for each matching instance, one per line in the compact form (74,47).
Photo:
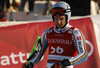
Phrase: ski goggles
(60,11)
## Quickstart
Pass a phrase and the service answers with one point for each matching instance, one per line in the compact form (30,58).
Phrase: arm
(80,44)
(37,53)
(41,48)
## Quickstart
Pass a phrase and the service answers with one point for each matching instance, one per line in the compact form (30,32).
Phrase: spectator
(31,5)
(2,10)
(97,6)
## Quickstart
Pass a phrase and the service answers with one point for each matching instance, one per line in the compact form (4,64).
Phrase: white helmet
(64,5)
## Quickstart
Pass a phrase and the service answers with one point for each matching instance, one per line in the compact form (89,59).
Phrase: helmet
(65,6)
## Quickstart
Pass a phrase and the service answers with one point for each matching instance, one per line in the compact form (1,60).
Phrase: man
(66,44)
(31,5)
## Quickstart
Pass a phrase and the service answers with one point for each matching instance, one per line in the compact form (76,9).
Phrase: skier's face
(60,21)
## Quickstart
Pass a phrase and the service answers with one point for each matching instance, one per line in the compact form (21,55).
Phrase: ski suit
(66,43)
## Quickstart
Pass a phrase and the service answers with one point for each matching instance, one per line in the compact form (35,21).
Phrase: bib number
(58,50)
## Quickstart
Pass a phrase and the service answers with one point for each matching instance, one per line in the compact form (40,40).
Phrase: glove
(27,66)
(61,64)
(24,65)
(57,65)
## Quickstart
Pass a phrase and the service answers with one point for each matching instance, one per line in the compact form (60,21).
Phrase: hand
(27,66)
(61,64)
(57,65)
(24,65)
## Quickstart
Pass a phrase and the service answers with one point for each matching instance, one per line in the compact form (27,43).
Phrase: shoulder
(50,29)
(74,30)
(47,31)
(77,32)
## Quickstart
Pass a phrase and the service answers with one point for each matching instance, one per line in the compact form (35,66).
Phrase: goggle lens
(60,11)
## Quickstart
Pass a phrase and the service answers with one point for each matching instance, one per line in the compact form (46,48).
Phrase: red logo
(79,38)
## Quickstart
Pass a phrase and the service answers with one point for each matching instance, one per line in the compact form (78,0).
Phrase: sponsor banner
(17,41)
(86,26)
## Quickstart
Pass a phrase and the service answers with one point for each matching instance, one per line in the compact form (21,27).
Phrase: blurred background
(26,10)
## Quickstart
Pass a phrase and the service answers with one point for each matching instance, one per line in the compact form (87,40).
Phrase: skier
(67,45)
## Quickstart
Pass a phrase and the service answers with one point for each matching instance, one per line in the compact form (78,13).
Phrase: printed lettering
(15,58)
(80,46)
(53,50)
(58,50)
(62,41)
(5,60)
